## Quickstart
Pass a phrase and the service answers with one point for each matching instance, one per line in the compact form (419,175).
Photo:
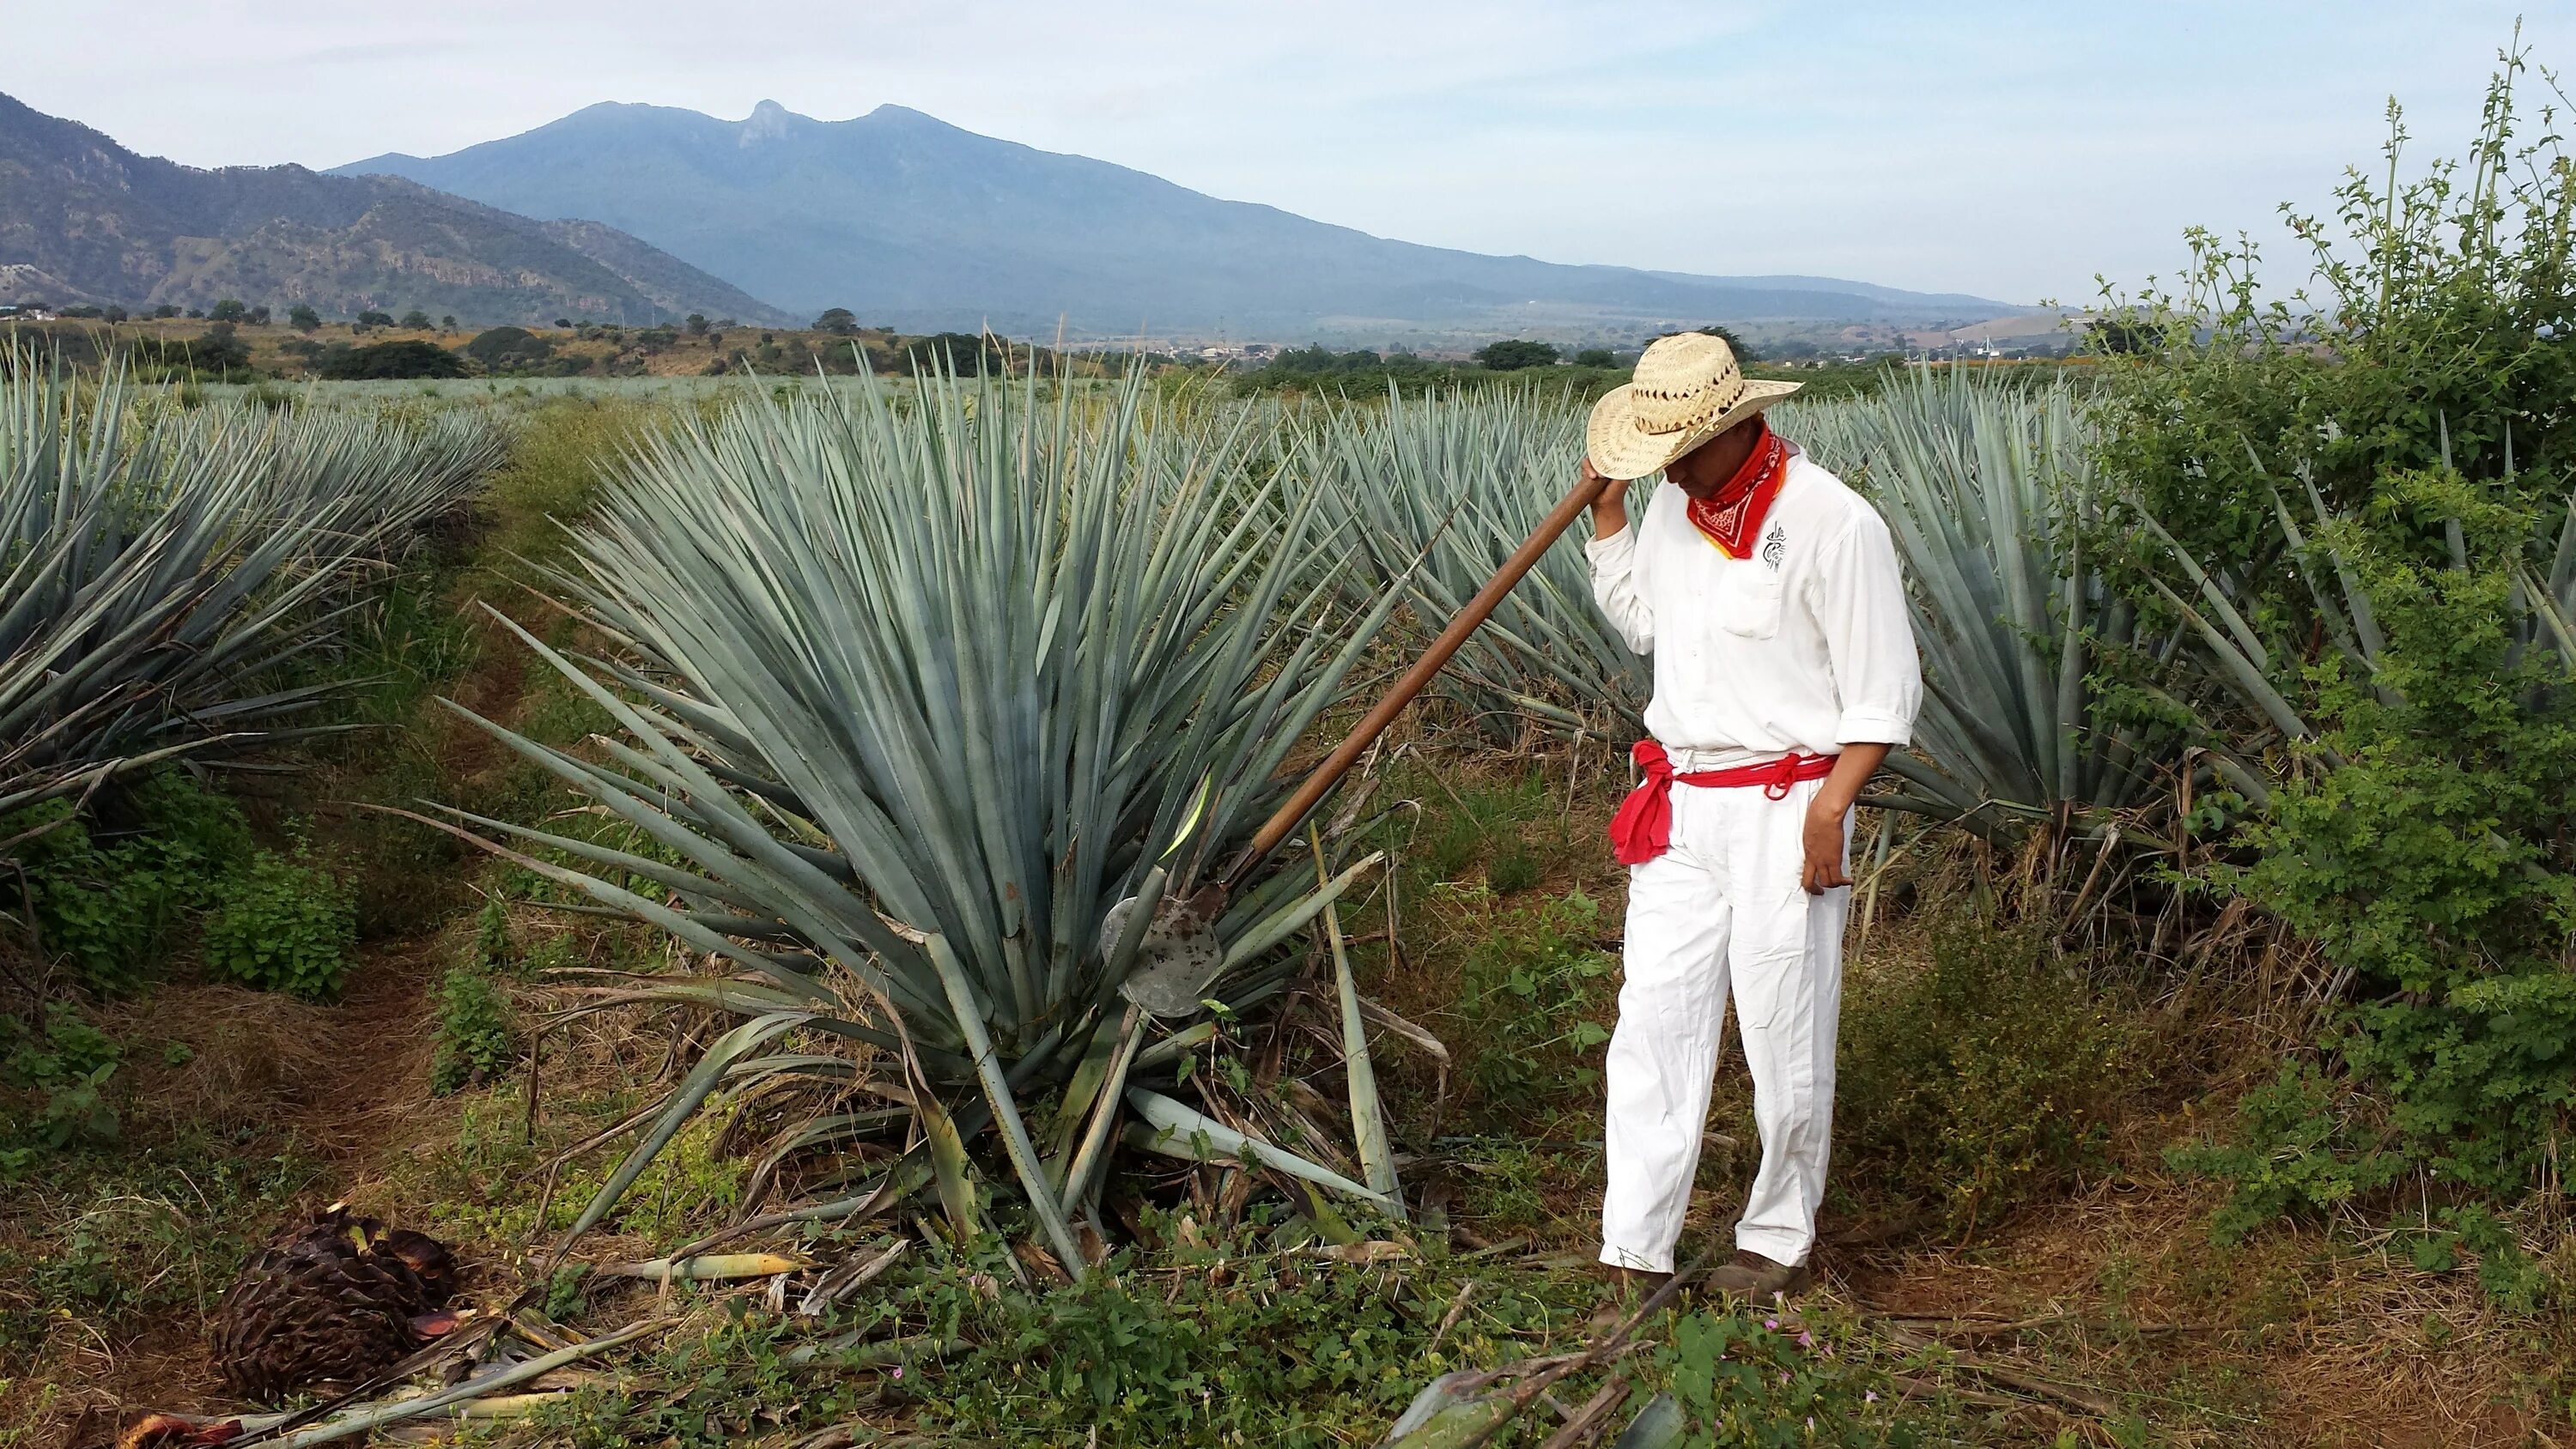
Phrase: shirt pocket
(1749,600)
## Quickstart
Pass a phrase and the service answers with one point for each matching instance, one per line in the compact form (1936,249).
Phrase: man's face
(1704,469)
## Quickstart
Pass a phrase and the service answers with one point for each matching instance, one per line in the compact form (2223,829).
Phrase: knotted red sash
(1643,828)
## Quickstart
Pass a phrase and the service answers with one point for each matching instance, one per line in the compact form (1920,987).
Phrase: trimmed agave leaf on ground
(909,696)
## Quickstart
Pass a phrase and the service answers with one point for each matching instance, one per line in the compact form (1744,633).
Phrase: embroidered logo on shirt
(1775,547)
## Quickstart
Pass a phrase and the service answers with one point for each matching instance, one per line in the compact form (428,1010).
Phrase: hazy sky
(2011,150)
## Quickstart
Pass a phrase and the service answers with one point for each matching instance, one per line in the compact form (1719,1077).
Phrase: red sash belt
(1643,828)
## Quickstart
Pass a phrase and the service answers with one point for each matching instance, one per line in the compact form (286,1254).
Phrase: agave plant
(2247,673)
(154,573)
(1988,487)
(909,697)
(1443,488)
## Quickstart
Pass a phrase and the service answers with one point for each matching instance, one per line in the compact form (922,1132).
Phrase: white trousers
(1724,910)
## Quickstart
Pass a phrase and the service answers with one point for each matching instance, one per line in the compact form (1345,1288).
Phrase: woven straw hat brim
(1621,447)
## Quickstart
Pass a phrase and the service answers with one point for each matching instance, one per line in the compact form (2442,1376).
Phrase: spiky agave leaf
(1442,488)
(919,691)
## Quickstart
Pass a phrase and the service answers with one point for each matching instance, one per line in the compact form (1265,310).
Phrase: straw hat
(1687,389)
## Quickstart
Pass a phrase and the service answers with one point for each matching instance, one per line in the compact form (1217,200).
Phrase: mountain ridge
(83,218)
(918,223)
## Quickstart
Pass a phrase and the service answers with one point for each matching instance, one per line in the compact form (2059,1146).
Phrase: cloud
(2008,149)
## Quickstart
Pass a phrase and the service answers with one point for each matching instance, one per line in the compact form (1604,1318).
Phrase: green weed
(59,1079)
(1534,994)
(110,890)
(2300,1145)
(288,923)
(1748,1379)
(1981,1082)
(553,470)
(156,1229)
(475,1042)
(479,1187)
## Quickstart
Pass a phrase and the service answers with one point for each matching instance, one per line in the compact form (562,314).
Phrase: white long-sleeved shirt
(1804,646)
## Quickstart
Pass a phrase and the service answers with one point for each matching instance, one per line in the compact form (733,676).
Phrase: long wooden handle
(1425,669)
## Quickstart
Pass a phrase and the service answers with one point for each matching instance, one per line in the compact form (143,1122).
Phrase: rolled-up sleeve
(1869,636)
(1618,590)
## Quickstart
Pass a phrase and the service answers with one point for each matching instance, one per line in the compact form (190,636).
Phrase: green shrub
(1981,1081)
(60,1078)
(475,1042)
(2297,1146)
(492,951)
(288,923)
(110,888)
(2430,855)
(1530,1008)
(2421,821)
(1742,1379)
(2511,1277)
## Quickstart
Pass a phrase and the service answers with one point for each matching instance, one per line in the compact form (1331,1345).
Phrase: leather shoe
(1758,1279)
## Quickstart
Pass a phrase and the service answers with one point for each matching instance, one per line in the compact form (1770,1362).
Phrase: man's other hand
(1824,841)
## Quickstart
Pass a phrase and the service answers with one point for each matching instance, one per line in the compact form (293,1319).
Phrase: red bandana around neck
(1733,515)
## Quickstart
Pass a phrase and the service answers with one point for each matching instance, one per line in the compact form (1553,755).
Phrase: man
(1769,596)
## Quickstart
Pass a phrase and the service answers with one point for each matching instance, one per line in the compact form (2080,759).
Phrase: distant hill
(84,219)
(914,223)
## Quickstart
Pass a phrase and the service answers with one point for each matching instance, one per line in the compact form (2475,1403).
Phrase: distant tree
(111,314)
(415,320)
(302,317)
(448,321)
(1516,353)
(964,353)
(715,339)
(412,358)
(259,315)
(766,339)
(165,310)
(1595,357)
(563,322)
(230,309)
(214,353)
(726,324)
(838,321)
(509,349)
(197,312)
(373,318)
(697,324)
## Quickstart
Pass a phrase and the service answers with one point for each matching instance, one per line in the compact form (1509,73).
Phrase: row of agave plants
(168,576)
(913,689)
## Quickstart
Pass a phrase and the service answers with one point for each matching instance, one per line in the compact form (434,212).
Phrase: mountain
(913,222)
(84,219)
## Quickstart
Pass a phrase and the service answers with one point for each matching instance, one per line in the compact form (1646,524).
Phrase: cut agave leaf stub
(1179,956)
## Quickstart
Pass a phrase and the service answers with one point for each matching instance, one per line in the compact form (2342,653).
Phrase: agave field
(694,855)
